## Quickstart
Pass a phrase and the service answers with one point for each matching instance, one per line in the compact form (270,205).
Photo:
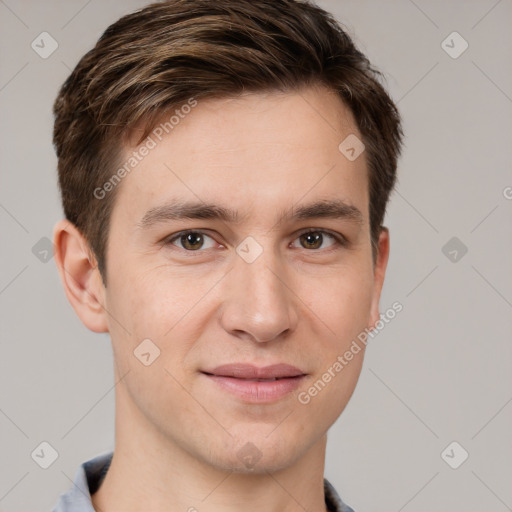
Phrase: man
(224,168)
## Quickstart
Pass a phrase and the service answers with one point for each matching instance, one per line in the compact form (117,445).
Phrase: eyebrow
(179,210)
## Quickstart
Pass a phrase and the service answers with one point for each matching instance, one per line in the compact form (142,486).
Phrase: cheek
(343,302)
(144,305)
(344,308)
(328,395)
(342,311)
(350,313)
(147,304)
(148,318)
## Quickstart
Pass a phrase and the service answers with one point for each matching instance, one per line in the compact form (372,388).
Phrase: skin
(177,433)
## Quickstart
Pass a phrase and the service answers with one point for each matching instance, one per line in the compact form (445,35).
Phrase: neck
(151,472)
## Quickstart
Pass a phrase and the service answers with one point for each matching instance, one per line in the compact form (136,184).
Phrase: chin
(257,454)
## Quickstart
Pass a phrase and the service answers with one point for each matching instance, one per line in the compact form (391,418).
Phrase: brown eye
(191,241)
(315,239)
(312,240)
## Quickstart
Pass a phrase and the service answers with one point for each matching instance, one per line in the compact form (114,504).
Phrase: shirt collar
(90,474)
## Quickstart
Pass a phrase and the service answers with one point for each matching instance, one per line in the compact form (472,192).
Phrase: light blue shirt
(90,475)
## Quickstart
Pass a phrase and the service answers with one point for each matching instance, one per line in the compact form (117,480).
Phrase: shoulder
(332,499)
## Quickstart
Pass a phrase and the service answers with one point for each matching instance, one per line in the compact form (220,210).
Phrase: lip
(241,380)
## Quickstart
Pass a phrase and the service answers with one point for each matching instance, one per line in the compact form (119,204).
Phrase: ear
(80,276)
(379,273)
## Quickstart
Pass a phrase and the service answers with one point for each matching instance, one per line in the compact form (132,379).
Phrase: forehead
(249,153)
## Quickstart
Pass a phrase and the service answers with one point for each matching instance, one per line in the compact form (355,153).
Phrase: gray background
(439,372)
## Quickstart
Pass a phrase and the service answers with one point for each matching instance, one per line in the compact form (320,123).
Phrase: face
(250,275)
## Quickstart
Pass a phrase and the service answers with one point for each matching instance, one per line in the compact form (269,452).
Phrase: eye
(194,241)
(313,239)
(191,241)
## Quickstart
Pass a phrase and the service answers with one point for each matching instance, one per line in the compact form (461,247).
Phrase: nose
(259,302)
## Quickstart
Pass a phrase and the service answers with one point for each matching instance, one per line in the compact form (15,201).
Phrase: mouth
(254,384)
(252,380)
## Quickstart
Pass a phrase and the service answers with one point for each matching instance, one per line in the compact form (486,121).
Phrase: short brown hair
(154,60)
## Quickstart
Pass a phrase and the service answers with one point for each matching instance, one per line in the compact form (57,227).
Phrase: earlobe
(379,274)
(80,276)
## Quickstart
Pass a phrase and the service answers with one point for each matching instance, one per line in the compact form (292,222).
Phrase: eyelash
(339,240)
